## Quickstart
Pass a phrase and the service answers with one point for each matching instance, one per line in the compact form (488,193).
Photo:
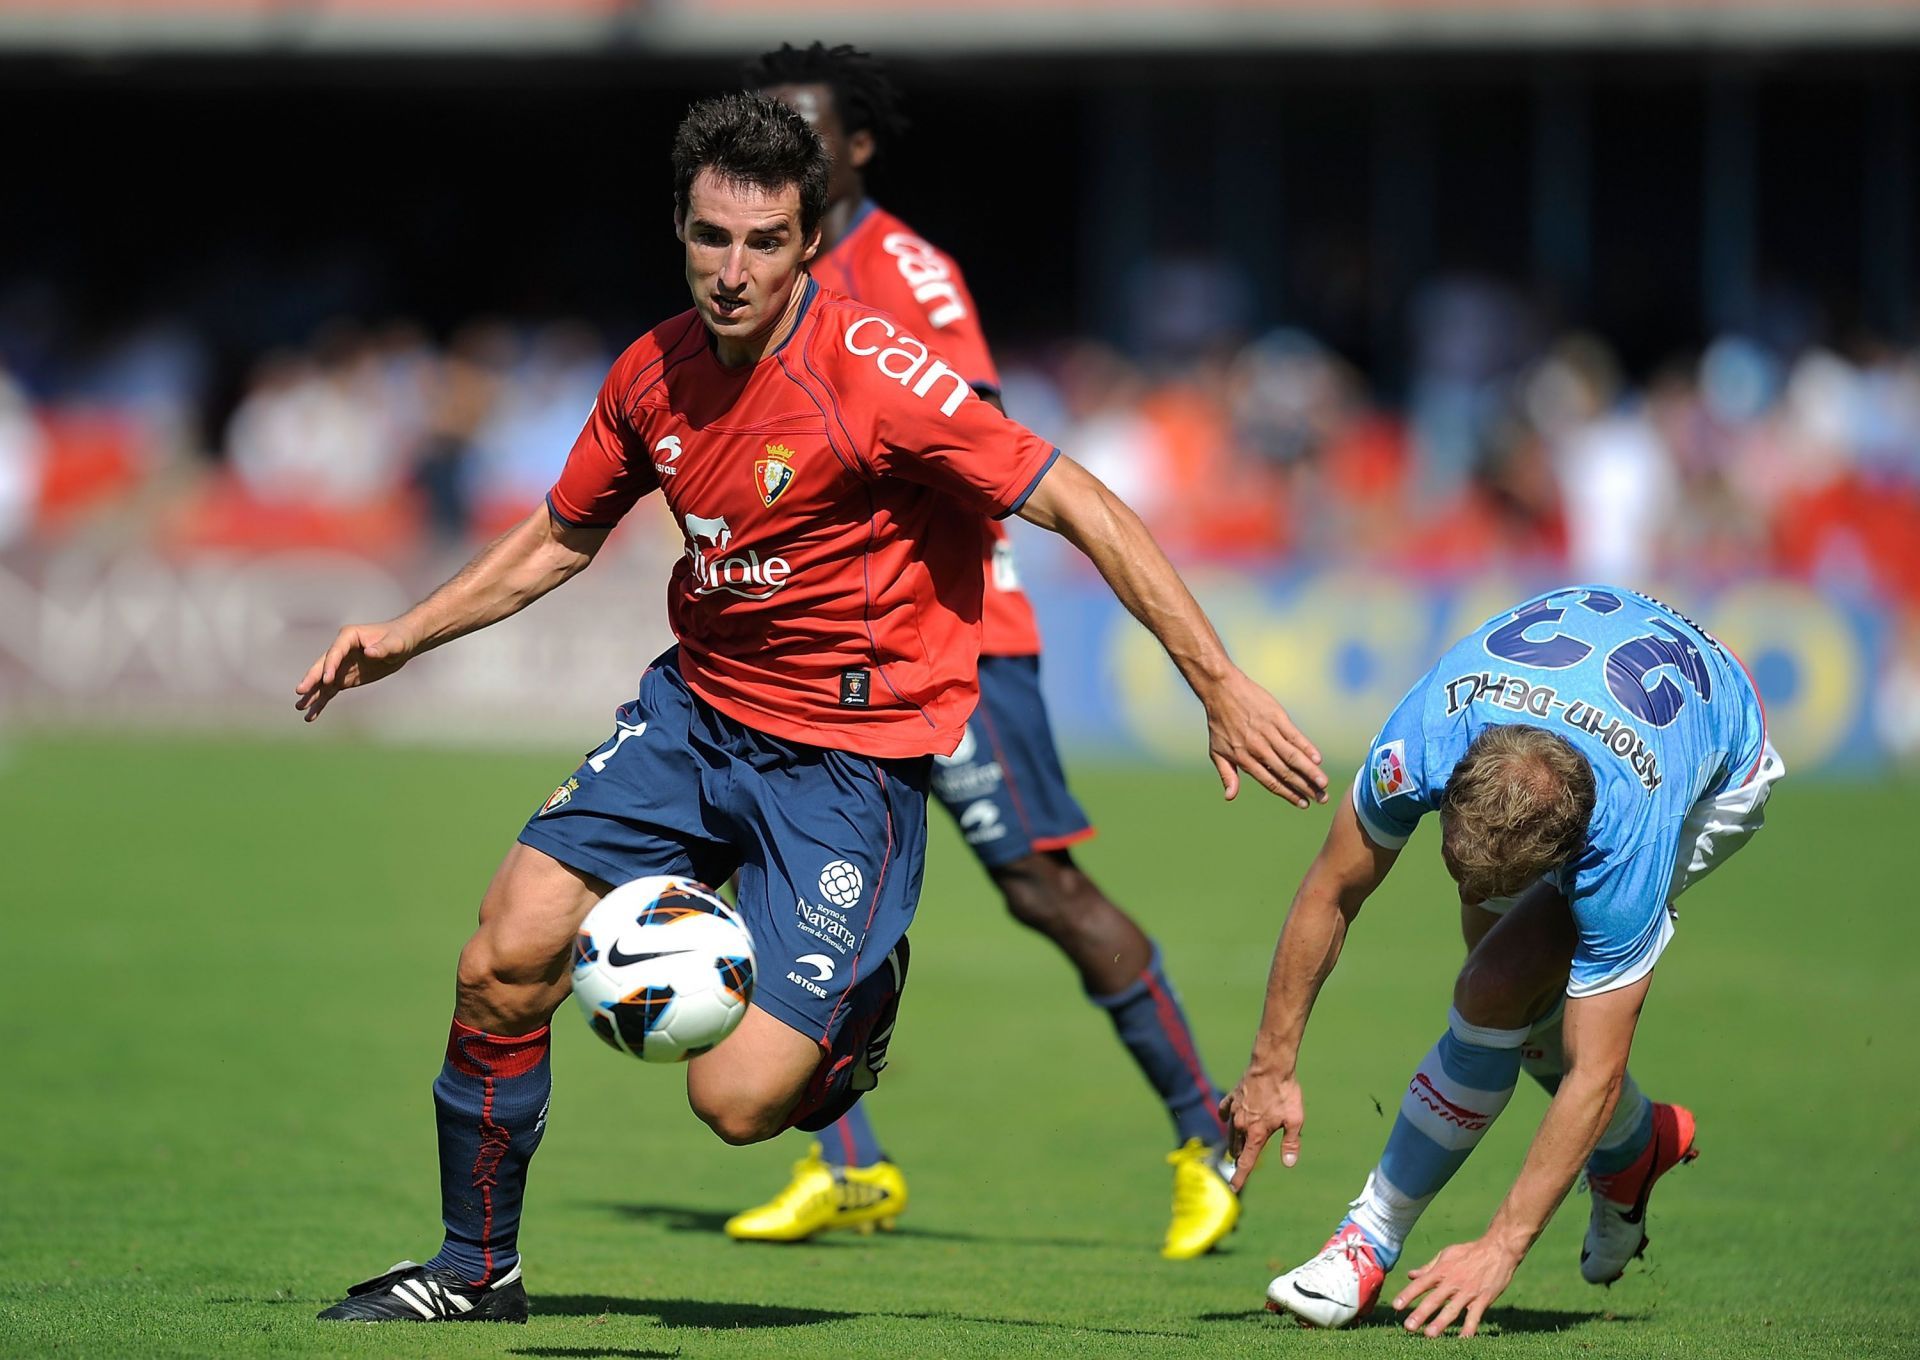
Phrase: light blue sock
(1631,1128)
(1458,1090)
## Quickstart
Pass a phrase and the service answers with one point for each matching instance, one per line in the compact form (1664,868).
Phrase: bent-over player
(826,616)
(1592,755)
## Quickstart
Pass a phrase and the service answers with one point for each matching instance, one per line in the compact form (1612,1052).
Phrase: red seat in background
(92,457)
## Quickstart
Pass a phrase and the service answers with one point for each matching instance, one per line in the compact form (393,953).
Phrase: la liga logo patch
(773,474)
(1388,769)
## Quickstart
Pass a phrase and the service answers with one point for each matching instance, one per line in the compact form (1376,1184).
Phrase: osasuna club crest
(774,473)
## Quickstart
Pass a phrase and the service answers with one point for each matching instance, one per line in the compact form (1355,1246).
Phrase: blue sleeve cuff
(1033,485)
(570,521)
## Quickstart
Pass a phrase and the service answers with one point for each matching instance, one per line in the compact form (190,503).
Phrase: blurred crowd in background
(1511,444)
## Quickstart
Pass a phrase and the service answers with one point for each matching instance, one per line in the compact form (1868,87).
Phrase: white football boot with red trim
(1340,1284)
(1617,1225)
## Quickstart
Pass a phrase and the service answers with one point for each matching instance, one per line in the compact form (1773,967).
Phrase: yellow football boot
(804,1208)
(821,1198)
(1205,1209)
(870,1196)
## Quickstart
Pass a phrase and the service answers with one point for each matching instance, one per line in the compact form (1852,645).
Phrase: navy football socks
(1150,1022)
(850,1140)
(491,1101)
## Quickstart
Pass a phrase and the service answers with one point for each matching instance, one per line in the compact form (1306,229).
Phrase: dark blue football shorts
(829,849)
(1004,784)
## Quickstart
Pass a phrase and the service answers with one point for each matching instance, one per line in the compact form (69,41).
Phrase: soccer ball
(663,969)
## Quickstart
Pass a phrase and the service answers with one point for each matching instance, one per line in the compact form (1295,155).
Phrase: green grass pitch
(225,974)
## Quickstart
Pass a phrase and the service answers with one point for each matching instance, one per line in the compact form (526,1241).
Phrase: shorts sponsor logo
(963,775)
(841,883)
(963,753)
(825,925)
(821,969)
(980,822)
(1388,769)
(822,966)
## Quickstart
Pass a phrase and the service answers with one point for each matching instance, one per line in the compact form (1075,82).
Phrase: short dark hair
(749,139)
(1516,806)
(864,95)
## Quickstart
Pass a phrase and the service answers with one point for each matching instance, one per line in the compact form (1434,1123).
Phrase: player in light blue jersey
(1591,754)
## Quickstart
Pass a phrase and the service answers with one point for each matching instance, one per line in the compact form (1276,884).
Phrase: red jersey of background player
(882,263)
(830,496)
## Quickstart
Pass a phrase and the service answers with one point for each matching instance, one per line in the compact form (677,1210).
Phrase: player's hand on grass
(1260,1106)
(1247,729)
(1465,1278)
(361,653)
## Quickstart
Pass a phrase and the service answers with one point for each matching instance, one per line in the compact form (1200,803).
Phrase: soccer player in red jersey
(1004,787)
(826,615)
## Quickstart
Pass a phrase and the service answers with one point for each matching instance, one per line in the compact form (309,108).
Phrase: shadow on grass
(672,1217)
(1012,1239)
(716,1316)
(1046,1324)
(685,1218)
(1496,1321)
(592,1353)
(685,1312)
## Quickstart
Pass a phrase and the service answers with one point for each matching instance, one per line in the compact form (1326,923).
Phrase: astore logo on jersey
(747,574)
(905,361)
(666,454)
(927,274)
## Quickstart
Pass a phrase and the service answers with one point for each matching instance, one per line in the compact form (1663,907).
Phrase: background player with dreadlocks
(1003,785)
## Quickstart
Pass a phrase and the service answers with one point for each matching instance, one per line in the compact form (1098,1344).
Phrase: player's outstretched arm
(1268,1099)
(503,578)
(1462,1282)
(1246,726)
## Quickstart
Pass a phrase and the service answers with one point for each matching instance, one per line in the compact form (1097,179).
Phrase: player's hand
(361,653)
(1260,1106)
(1466,1277)
(1247,729)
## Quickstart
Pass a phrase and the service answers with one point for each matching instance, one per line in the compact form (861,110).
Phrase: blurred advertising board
(213,642)
(1340,648)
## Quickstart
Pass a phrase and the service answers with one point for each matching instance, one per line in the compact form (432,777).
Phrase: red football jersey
(882,263)
(830,497)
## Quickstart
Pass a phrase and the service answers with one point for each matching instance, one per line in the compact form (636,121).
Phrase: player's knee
(737,1119)
(1048,894)
(502,989)
(513,971)
(482,997)
(1492,993)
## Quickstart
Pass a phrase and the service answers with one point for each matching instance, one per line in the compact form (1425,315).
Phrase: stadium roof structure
(561,27)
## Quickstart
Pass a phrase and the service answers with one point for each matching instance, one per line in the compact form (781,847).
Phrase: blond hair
(1516,806)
